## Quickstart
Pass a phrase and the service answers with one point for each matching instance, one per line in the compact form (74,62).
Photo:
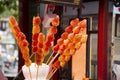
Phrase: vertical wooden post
(102,40)
(24,26)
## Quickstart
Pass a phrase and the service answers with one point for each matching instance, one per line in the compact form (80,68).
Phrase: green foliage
(9,7)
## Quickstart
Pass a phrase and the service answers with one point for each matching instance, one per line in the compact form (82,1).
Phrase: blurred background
(8,46)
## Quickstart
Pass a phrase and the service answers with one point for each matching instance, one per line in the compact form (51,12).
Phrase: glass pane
(93,46)
(116,47)
(94,23)
(118,27)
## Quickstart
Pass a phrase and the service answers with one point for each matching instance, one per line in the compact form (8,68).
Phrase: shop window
(117,26)
(93,46)
(94,23)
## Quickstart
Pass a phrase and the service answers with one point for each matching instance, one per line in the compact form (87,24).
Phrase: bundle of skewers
(67,45)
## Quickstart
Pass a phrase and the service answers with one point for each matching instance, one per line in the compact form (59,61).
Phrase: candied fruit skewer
(14,26)
(84,38)
(36,20)
(82,24)
(64,36)
(76,30)
(35,29)
(73,46)
(56,48)
(69,51)
(21,38)
(25,51)
(66,52)
(16,30)
(70,36)
(77,38)
(36,25)
(53,29)
(36,41)
(78,45)
(35,32)
(41,38)
(48,43)
(40,45)
(50,36)
(56,21)
(62,63)
(79,27)
(67,58)
(74,22)
(74,39)
(39,59)
(13,21)
(69,29)
(60,51)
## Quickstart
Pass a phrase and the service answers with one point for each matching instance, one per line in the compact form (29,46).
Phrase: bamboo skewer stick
(31,56)
(49,58)
(18,74)
(35,58)
(30,74)
(51,74)
(37,73)
(53,58)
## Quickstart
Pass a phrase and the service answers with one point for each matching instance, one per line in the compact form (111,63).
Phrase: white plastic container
(41,74)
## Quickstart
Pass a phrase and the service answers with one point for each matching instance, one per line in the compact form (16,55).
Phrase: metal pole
(102,40)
